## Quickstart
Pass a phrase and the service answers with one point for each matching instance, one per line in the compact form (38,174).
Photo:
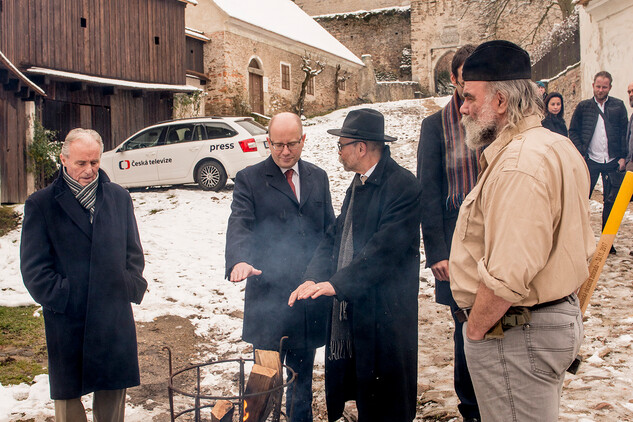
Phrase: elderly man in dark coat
(81,259)
(370,263)
(280,211)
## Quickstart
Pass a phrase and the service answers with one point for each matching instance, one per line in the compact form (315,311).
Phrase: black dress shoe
(612,251)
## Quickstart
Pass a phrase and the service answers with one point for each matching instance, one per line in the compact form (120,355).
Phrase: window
(285,76)
(219,130)
(310,87)
(149,138)
(252,127)
(341,84)
(179,133)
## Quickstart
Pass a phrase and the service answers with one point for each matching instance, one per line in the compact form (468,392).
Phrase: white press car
(205,150)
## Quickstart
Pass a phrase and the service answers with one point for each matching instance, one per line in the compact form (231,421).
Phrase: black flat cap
(497,60)
(365,124)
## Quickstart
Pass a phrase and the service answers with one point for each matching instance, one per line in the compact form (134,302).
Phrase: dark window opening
(84,23)
(157,40)
(285,76)
(310,88)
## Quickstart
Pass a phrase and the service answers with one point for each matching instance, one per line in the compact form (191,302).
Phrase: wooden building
(112,66)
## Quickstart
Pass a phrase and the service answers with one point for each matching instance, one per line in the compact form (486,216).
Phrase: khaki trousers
(107,406)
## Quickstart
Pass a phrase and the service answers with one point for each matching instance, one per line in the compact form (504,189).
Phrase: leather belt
(462,314)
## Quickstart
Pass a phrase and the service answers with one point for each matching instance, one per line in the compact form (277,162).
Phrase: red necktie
(289,179)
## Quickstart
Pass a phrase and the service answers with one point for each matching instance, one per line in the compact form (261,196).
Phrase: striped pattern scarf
(86,195)
(461,162)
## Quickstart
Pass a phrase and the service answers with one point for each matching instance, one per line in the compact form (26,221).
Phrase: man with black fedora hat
(369,262)
(521,242)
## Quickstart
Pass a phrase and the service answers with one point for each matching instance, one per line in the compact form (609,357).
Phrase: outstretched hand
(312,290)
(242,271)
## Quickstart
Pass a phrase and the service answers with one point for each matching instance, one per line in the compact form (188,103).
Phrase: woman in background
(554,112)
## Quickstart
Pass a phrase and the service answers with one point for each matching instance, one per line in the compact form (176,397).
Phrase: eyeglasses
(279,146)
(461,85)
(340,145)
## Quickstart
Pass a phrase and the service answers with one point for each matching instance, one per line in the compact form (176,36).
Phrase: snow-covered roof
(362,13)
(96,80)
(194,33)
(285,18)
(4,61)
(194,2)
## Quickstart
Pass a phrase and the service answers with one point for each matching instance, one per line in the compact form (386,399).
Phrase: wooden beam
(109,90)
(138,93)
(78,86)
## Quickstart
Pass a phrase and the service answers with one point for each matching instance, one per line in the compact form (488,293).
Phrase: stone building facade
(439,28)
(385,34)
(323,7)
(250,69)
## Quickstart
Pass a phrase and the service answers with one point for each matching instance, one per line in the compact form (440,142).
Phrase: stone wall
(385,34)
(322,7)
(396,91)
(438,28)
(227,57)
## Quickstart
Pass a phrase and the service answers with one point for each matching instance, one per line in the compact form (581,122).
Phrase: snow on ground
(183,234)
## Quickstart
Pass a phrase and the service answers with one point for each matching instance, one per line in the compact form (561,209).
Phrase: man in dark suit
(81,259)
(447,170)
(598,129)
(280,211)
(370,262)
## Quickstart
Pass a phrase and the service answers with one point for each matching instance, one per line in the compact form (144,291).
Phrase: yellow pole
(606,240)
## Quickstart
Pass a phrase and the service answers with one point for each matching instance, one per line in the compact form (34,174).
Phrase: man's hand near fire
(312,290)
(241,271)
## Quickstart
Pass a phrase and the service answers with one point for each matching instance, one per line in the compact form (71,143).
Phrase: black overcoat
(381,284)
(85,276)
(269,229)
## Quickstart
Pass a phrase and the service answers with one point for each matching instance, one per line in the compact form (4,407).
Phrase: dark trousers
(299,394)
(463,385)
(595,170)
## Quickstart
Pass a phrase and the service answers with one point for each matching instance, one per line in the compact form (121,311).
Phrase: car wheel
(211,176)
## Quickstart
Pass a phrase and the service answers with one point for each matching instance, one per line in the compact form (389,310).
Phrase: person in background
(447,170)
(598,129)
(281,208)
(542,89)
(81,259)
(555,114)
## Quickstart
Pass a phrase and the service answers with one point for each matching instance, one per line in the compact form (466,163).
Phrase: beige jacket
(524,229)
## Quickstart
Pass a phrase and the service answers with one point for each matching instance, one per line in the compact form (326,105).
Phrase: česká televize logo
(126,164)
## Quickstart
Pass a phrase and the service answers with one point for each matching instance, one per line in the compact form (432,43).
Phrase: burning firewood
(260,379)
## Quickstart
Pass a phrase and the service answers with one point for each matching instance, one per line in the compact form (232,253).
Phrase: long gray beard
(479,135)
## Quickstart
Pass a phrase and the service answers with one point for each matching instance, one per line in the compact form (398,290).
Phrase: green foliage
(22,339)
(44,154)
(188,105)
(9,219)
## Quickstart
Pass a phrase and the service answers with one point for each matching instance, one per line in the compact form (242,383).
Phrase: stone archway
(256,86)
(442,74)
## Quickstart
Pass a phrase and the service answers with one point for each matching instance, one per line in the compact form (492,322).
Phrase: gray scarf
(86,195)
(341,340)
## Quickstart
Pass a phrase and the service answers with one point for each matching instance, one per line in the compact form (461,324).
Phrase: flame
(246,414)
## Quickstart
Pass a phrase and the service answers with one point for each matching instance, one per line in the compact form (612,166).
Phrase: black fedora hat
(365,124)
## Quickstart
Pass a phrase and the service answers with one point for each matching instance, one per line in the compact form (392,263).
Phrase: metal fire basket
(203,401)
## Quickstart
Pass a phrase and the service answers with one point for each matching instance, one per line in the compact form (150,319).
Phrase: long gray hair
(523,97)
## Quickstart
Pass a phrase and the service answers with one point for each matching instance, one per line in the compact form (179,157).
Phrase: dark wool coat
(437,219)
(584,120)
(381,284)
(555,123)
(85,276)
(273,232)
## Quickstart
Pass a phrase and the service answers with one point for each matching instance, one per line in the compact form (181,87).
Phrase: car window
(252,127)
(146,139)
(219,130)
(179,133)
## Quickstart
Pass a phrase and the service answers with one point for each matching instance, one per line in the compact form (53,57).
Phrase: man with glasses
(447,170)
(280,211)
(369,262)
